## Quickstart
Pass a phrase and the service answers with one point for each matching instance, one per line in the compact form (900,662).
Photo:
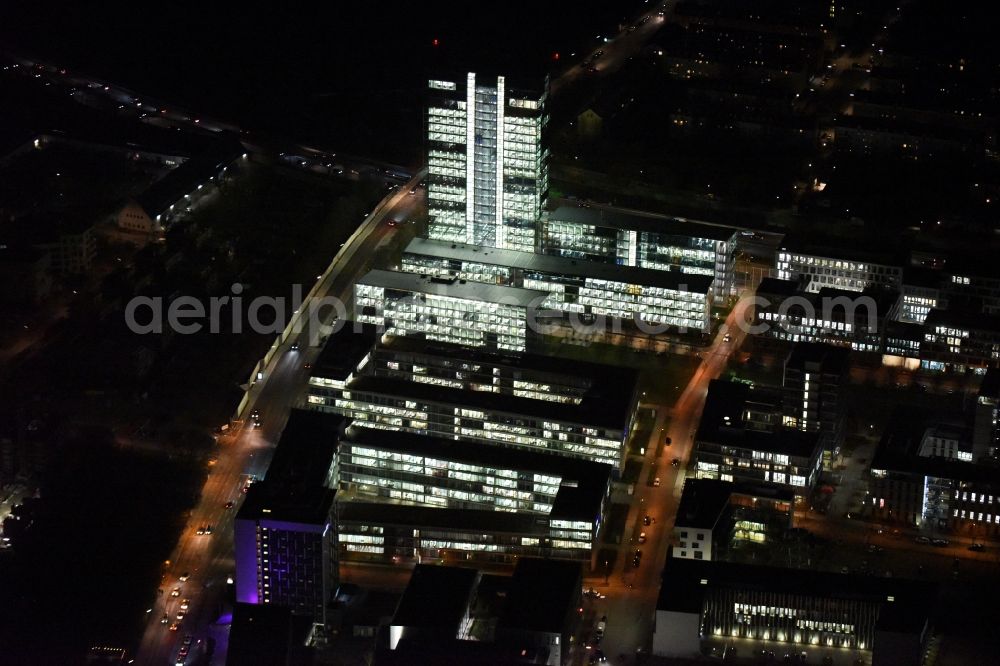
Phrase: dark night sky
(344,74)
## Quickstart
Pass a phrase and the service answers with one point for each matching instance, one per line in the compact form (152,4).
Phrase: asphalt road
(632,592)
(247,451)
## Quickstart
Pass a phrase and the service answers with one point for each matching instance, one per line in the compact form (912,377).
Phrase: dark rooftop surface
(642,222)
(960,317)
(990,387)
(436,597)
(293,488)
(833,359)
(702,502)
(898,449)
(848,248)
(264,635)
(728,399)
(777,287)
(545,263)
(542,594)
(682,589)
(584,482)
(186,178)
(344,349)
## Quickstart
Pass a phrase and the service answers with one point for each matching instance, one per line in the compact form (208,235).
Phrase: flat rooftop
(686,582)
(702,502)
(556,265)
(294,489)
(542,595)
(642,221)
(436,597)
(722,423)
(460,289)
(833,359)
(898,450)
(344,349)
(959,317)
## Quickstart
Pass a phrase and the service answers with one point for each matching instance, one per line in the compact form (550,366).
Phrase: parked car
(922,539)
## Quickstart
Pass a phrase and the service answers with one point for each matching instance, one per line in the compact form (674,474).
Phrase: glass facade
(487,165)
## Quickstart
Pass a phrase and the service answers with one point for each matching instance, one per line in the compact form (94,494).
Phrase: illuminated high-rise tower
(487,176)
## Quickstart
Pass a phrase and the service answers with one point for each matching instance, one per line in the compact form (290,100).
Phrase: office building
(447,310)
(921,293)
(986,422)
(923,475)
(592,426)
(656,242)
(814,381)
(435,607)
(731,447)
(429,471)
(844,268)
(585,288)
(381,532)
(487,165)
(714,516)
(960,340)
(453,615)
(789,310)
(285,544)
(706,604)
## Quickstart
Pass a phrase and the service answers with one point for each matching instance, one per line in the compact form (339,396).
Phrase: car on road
(728,337)
(174,626)
(255,418)
(295,346)
(940,543)
(642,537)
(922,539)
(676,462)
(647,520)
(176,592)
(180,615)
(656,482)
(230,504)
(185,604)
(183,577)
(977,547)
(200,531)
(165,619)
(667,441)
(602,624)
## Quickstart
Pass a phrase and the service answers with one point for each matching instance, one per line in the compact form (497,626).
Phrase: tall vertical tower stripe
(470,156)
(501,235)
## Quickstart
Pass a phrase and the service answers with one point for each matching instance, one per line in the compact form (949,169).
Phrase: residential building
(487,175)
(587,289)
(715,515)
(285,544)
(447,310)
(178,191)
(814,381)
(593,426)
(651,241)
(730,447)
(704,604)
